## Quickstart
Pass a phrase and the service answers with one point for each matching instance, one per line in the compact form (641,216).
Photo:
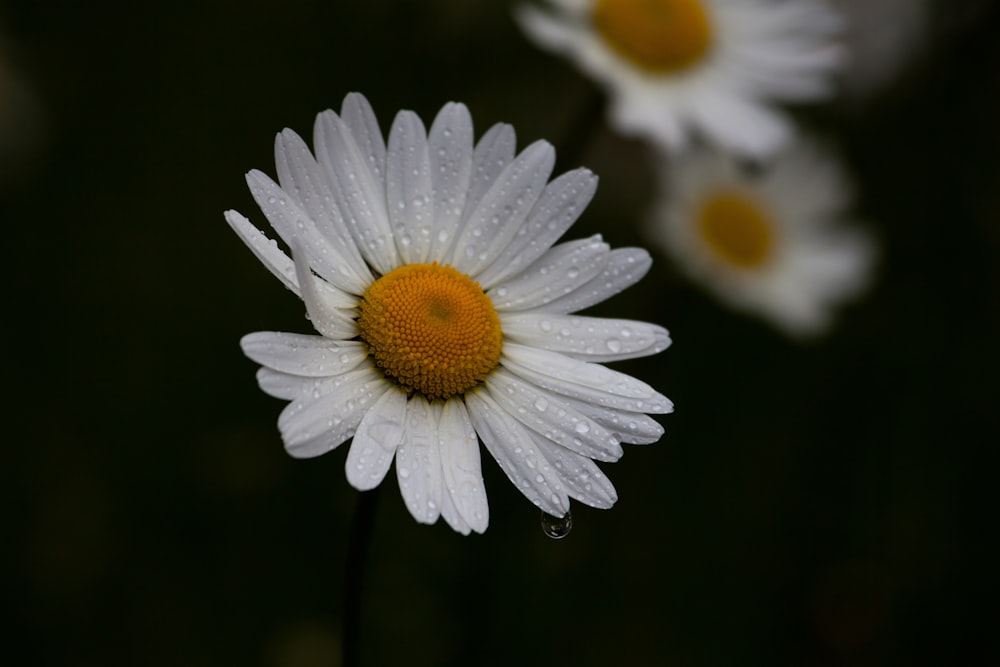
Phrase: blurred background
(818,504)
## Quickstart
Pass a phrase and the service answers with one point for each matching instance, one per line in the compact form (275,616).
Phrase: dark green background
(822,504)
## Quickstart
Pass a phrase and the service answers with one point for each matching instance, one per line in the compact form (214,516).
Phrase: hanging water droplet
(557,527)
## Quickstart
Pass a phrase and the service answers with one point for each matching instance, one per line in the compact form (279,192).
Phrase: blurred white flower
(429,268)
(715,67)
(768,239)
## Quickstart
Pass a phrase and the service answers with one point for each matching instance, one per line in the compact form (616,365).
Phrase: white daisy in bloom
(444,307)
(768,239)
(712,66)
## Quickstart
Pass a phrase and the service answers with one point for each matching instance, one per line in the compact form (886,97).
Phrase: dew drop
(541,404)
(614,345)
(557,527)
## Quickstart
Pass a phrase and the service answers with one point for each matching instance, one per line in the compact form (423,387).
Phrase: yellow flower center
(431,329)
(661,36)
(737,229)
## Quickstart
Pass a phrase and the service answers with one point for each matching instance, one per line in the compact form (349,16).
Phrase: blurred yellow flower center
(431,329)
(657,35)
(737,229)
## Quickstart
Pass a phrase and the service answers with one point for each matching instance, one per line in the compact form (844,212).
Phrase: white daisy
(769,238)
(429,268)
(712,66)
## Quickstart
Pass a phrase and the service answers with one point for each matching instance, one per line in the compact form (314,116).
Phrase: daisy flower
(714,67)
(430,269)
(768,239)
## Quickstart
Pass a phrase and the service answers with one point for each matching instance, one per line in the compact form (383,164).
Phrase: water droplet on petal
(614,345)
(557,527)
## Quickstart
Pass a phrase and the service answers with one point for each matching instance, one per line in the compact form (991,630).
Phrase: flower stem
(354,573)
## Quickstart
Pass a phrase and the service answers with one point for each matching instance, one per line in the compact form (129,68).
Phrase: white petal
(555,274)
(548,415)
(581,476)
(450,140)
(360,193)
(625,267)
(329,320)
(490,226)
(408,188)
(379,434)
(562,202)
(547,29)
(299,354)
(745,126)
(589,338)
(359,117)
(287,386)
(461,466)
(494,151)
(450,514)
(418,461)
(337,298)
(265,249)
(300,176)
(295,226)
(634,428)
(280,264)
(588,382)
(514,449)
(313,426)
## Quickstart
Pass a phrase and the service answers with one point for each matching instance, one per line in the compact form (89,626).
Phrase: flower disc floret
(431,329)
(737,229)
(661,36)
